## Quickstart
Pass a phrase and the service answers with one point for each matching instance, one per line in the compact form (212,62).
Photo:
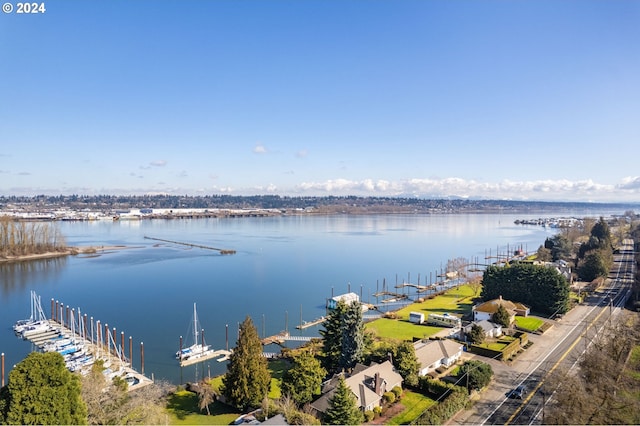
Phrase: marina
(79,346)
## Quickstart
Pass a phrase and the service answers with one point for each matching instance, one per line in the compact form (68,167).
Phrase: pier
(307,324)
(222,251)
(284,336)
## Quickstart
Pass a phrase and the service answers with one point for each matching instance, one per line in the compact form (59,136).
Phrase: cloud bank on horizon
(627,191)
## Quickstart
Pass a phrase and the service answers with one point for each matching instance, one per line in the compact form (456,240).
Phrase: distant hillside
(326,205)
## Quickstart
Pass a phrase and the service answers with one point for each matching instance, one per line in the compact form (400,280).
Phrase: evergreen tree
(476,335)
(332,337)
(342,407)
(560,247)
(247,380)
(343,337)
(41,390)
(475,375)
(502,317)
(302,381)
(352,336)
(541,288)
(407,363)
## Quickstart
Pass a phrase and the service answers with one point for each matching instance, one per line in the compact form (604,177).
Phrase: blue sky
(536,100)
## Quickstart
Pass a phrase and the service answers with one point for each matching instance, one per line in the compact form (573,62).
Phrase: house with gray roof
(367,384)
(437,353)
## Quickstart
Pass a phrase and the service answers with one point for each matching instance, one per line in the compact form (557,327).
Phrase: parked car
(518,393)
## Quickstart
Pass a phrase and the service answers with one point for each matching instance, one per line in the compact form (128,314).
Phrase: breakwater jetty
(222,251)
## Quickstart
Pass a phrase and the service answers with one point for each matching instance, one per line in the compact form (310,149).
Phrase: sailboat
(196,350)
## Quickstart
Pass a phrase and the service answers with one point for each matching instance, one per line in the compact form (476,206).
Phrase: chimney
(362,398)
(376,383)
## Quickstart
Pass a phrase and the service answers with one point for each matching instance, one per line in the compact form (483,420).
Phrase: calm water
(284,269)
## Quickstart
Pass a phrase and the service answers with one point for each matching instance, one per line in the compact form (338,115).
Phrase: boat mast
(195,326)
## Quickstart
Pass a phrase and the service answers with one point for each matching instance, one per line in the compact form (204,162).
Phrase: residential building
(433,354)
(368,384)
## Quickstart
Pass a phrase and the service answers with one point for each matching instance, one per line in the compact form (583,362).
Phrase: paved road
(560,346)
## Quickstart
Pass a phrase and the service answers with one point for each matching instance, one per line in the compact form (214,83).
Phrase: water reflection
(17,276)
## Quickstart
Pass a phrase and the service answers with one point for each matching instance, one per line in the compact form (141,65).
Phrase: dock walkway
(119,365)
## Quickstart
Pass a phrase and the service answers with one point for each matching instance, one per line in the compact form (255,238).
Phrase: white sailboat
(197,349)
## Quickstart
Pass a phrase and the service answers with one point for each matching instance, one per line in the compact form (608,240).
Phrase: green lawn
(415,404)
(529,323)
(183,405)
(456,301)
(183,410)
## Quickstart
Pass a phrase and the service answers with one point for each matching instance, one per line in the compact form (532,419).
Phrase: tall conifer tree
(343,337)
(247,380)
(342,407)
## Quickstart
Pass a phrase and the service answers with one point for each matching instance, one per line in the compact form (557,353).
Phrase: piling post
(98,328)
(226,326)
(106,337)
(202,337)
(68,309)
(142,358)
(180,348)
(2,368)
(131,351)
(84,330)
(122,344)
(53,310)
(115,345)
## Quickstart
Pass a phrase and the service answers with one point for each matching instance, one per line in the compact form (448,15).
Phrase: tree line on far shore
(24,238)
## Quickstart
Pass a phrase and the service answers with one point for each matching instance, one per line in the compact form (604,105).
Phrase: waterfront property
(368,385)
(485,311)
(434,354)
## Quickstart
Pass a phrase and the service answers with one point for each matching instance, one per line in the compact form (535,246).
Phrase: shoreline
(68,251)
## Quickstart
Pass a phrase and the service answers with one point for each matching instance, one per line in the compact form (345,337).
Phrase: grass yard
(183,410)
(183,405)
(415,404)
(529,323)
(456,301)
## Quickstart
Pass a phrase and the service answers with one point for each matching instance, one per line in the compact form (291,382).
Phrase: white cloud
(630,183)
(158,163)
(259,149)
(552,190)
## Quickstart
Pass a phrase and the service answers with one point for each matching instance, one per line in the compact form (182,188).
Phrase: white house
(490,329)
(437,353)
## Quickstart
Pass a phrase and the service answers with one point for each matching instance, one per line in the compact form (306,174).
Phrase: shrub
(368,416)
(389,397)
(397,391)
(377,411)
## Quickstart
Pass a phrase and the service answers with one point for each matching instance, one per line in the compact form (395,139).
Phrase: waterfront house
(485,311)
(434,354)
(368,385)
(490,329)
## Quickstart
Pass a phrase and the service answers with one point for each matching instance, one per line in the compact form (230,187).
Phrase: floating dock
(221,354)
(89,342)
(307,324)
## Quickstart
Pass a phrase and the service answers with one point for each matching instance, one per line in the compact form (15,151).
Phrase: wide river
(283,271)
